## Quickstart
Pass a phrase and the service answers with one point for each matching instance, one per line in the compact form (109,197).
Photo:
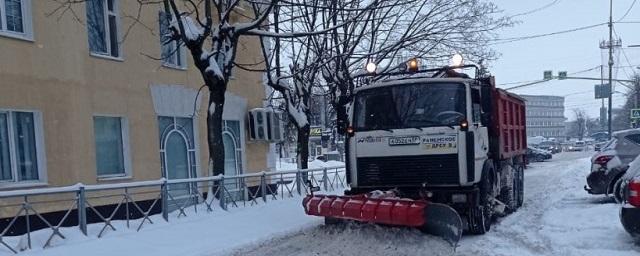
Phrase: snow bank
(198,234)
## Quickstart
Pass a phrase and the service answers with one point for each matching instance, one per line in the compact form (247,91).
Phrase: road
(558,218)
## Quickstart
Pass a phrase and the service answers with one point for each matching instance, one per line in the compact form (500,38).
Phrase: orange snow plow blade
(433,218)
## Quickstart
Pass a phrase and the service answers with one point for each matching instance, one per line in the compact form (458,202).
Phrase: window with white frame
(15,18)
(173,51)
(102,26)
(21,149)
(110,135)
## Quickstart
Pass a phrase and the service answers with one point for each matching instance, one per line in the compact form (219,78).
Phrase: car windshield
(410,106)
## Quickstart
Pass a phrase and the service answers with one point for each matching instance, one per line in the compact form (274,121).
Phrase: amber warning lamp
(412,65)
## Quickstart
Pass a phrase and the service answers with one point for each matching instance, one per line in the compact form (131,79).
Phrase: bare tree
(579,126)
(211,31)
(395,30)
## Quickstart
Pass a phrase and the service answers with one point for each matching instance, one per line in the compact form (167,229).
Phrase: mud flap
(443,221)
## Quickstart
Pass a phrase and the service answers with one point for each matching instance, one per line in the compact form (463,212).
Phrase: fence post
(298,178)
(263,187)
(165,203)
(82,210)
(223,196)
(27,206)
(325,179)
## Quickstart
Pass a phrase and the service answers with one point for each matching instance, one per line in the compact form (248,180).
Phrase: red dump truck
(435,149)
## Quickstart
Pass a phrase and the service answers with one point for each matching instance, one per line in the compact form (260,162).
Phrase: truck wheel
(509,196)
(520,186)
(480,217)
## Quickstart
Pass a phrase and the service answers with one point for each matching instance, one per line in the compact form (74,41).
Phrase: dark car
(537,155)
(550,146)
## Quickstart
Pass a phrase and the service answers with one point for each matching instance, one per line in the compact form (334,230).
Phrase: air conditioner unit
(276,126)
(258,124)
(266,125)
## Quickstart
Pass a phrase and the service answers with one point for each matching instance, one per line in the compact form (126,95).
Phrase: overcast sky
(526,60)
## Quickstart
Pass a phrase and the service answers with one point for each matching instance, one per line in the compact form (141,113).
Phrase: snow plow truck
(436,149)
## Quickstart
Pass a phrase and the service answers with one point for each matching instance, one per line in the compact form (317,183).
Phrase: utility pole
(610,64)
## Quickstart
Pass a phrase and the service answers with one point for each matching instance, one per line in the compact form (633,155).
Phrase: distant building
(545,116)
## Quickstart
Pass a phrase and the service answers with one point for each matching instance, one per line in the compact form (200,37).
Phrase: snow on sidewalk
(198,234)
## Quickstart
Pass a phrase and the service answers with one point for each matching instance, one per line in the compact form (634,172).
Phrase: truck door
(480,135)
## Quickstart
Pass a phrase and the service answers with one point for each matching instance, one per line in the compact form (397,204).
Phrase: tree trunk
(303,146)
(214,130)
(342,118)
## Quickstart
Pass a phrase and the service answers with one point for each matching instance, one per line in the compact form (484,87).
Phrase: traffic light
(562,75)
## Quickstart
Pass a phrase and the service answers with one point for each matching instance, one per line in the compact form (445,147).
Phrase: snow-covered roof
(409,81)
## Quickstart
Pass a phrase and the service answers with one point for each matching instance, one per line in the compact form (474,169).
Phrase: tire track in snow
(549,187)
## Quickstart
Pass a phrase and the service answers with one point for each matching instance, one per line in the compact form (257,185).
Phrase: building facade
(82,103)
(545,116)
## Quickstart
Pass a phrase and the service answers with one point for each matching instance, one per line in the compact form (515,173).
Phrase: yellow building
(82,101)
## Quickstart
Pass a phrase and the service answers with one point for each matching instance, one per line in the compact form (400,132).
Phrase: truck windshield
(410,106)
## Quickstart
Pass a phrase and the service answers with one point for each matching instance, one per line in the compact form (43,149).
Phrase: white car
(608,165)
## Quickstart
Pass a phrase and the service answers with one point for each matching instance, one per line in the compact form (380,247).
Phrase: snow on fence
(161,197)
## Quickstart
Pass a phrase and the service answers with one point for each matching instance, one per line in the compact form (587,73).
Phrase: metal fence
(161,196)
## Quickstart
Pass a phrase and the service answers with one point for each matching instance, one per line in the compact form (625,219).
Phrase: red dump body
(508,129)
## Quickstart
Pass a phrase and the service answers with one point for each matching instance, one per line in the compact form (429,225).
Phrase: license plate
(399,141)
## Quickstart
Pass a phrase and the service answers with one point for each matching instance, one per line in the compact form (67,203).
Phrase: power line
(624,53)
(521,38)
(536,10)
(533,82)
(628,11)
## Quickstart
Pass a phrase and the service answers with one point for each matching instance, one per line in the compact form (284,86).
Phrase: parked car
(608,165)
(537,155)
(578,146)
(550,146)
(598,146)
(630,211)
(330,156)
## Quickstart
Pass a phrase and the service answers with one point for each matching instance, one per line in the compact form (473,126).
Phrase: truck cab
(452,140)
(417,132)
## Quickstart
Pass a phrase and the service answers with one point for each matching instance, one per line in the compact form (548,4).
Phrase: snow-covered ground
(559,218)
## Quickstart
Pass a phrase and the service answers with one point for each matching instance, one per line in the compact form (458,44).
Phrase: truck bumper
(630,219)
(460,198)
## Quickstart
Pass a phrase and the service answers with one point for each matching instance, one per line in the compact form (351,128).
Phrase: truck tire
(480,217)
(509,196)
(520,185)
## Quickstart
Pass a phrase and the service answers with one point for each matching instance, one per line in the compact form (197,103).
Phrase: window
(178,152)
(173,52)
(102,25)
(635,138)
(475,107)
(21,150)
(410,106)
(15,18)
(110,135)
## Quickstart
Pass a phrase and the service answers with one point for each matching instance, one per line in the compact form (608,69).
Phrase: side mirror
(485,118)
